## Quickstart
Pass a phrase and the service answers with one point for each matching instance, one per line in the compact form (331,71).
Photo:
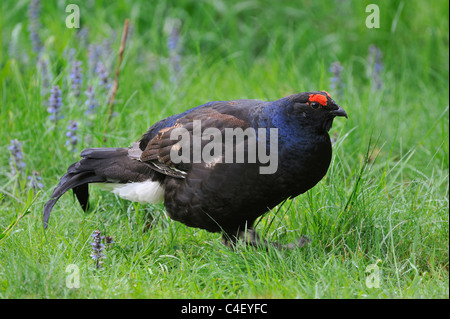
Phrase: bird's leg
(250,237)
(229,241)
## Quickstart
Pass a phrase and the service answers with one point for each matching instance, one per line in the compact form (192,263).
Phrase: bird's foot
(302,241)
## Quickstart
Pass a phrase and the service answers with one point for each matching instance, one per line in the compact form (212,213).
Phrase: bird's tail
(98,165)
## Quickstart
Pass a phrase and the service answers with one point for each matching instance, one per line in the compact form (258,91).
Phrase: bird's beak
(339,112)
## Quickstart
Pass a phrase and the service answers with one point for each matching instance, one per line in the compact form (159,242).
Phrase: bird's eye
(315,105)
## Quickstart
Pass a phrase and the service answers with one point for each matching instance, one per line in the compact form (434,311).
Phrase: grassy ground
(384,200)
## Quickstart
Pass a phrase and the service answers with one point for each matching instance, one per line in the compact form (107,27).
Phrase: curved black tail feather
(98,165)
(78,182)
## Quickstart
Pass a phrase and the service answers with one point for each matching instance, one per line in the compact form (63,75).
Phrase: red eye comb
(318,98)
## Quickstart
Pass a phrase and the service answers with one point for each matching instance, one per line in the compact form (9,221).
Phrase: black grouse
(218,166)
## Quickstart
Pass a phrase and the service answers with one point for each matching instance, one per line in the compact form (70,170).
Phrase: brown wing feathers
(157,151)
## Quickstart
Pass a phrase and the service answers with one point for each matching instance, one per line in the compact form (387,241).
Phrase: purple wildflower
(54,104)
(173,39)
(72,139)
(336,80)
(82,35)
(76,78)
(174,48)
(107,52)
(70,55)
(35,181)
(98,247)
(91,102)
(45,75)
(103,75)
(375,67)
(34,10)
(94,54)
(16,162)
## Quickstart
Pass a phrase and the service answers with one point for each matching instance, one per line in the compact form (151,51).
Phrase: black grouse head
(314,109)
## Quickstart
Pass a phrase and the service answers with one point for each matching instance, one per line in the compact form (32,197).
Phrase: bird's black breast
(305,167)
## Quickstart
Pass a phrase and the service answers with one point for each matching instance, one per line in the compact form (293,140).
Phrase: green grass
(385,196)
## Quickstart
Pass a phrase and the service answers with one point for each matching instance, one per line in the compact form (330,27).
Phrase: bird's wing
(219,115)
